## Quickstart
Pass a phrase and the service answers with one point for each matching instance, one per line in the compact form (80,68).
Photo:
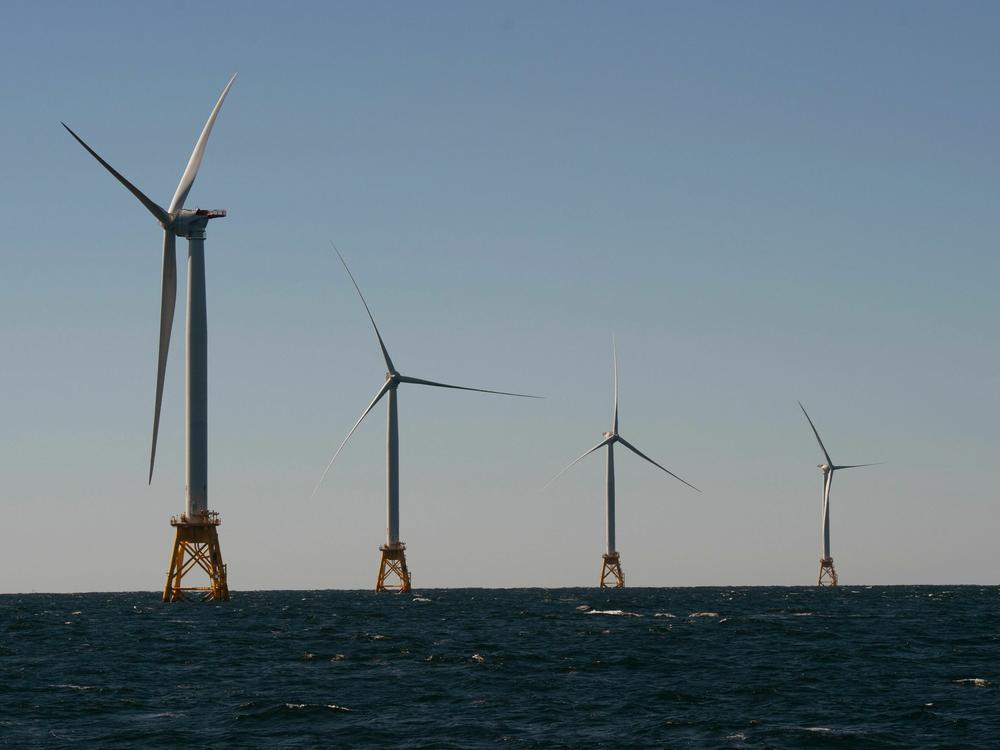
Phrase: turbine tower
(611,567)
(196,541)
(392,563)
(827,573)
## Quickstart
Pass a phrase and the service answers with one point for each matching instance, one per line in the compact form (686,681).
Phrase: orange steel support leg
(827,573)
(393,575)
(196,544)
(612,569)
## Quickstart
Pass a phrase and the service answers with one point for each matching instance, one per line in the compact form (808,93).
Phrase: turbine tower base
(827,573)
(393,575)
(611,572)
(196,544)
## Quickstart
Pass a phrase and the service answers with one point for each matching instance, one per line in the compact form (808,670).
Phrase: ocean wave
(549,677)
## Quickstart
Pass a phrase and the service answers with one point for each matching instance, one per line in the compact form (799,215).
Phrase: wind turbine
(393,557)
(611,567)
(827,573)
(196,541)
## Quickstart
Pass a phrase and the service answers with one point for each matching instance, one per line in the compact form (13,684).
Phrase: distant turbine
(611,566)
(827,573)
(196,541)
(393,558)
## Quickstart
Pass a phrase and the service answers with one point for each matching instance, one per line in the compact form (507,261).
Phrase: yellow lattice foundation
(827,573)
(611,572)
(196,544)
(393,575)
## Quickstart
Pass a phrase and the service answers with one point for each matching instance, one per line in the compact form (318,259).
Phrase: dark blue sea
(855,667)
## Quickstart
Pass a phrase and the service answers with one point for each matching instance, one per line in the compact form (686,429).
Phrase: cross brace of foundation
(827,573)
(611,572)
(196,545)
(393,575)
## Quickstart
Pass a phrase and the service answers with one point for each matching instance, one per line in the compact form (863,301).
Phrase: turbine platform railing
(205,518)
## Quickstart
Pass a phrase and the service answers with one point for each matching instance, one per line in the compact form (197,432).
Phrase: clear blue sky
(766,202)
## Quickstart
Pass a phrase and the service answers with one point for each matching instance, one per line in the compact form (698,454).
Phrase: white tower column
(196,423)
(392,471)
(611,500)
(827,481)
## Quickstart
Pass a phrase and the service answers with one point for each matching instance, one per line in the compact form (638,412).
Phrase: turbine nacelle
(609,434)
(824,467)
(185,222)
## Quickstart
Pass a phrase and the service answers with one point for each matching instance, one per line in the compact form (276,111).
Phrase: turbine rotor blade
(639,453)
(385,352)
(160,215)
(194,163)
(829,460)
(168,299)
(574,463)
(858,466)
(614,355)
(418,381)
(378,396)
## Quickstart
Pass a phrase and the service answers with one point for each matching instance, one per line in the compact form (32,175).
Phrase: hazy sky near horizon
(765,202)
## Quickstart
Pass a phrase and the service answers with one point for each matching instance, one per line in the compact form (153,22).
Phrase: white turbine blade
(418,381)
(385,352)
(191,171)
(639,453)
(168,298)
(160,215)
(858,466)
(381,392)
(599,445)
(829,460)
(614,356)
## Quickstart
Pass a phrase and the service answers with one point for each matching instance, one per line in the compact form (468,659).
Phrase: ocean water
(855,667)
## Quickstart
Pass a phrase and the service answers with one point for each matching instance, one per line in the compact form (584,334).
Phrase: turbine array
(196,540)
(611,566)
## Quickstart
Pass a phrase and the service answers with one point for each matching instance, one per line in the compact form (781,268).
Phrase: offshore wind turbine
(611,566)
(392,561)
(196,542)
(827,573)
